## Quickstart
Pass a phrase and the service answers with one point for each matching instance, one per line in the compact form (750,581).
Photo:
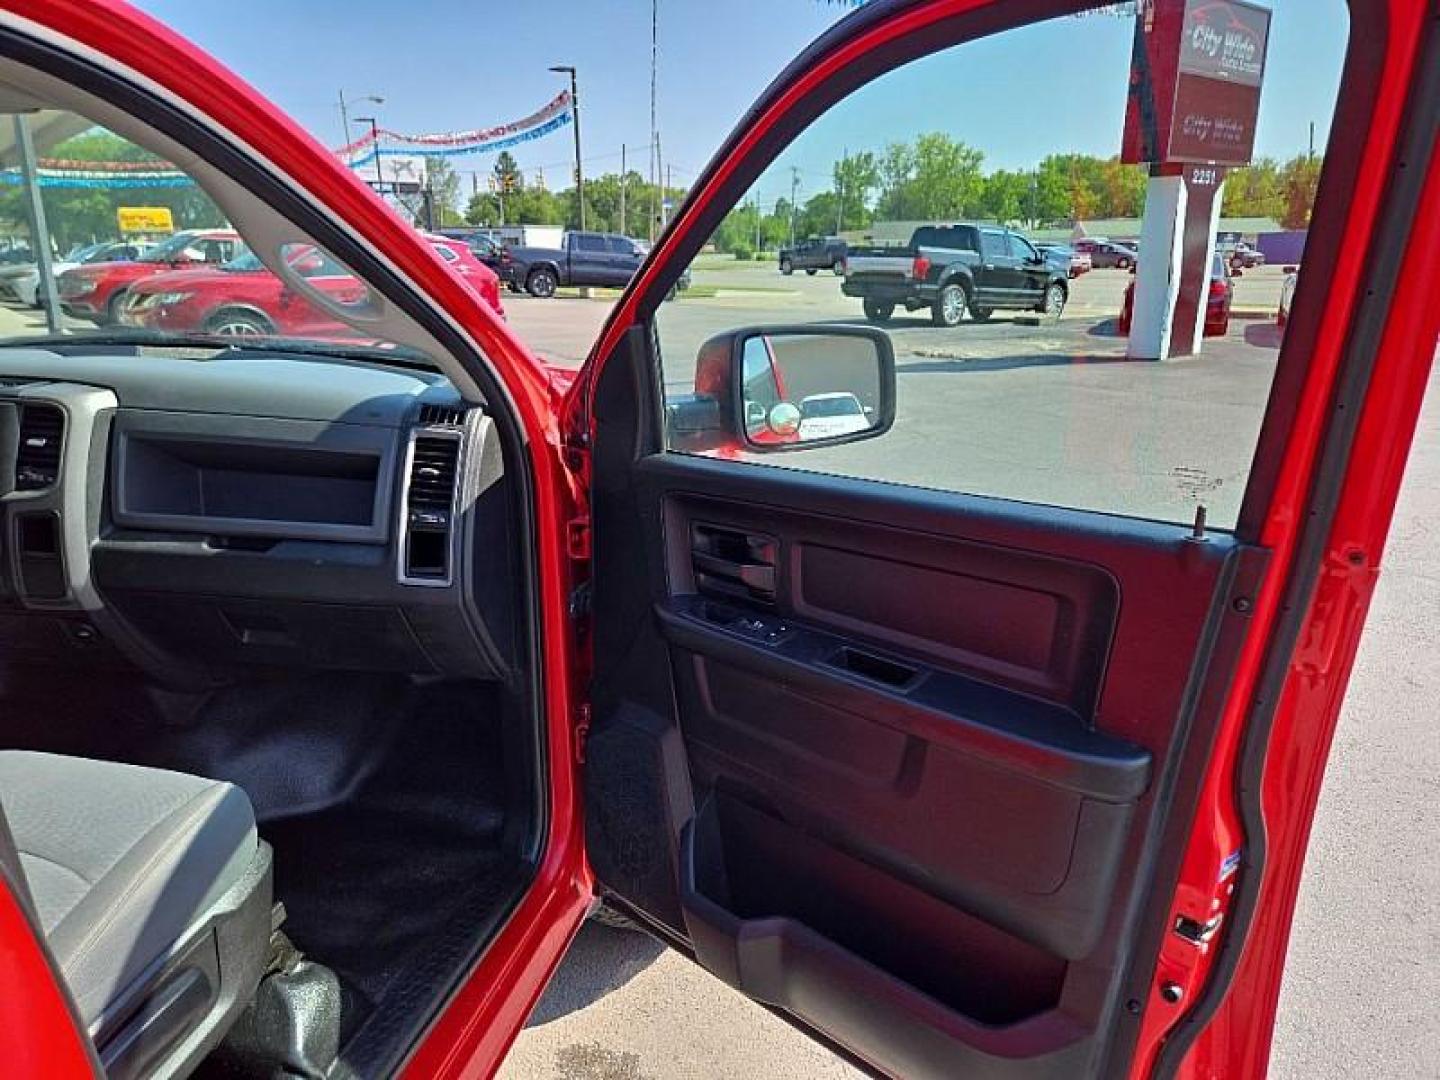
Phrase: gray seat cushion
(120,860)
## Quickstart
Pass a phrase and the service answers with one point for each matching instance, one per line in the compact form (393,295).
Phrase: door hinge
(577,538)
(582,731)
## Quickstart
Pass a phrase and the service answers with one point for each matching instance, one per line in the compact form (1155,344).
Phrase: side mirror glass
(807,386)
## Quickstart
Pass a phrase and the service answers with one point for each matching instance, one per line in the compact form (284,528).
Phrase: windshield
(825,407)
(146,239)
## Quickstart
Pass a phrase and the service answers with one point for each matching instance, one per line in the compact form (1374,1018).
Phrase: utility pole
(1312,140)
(665,196)
(566,69)
(794,184)
(659,185)
(755,205)
(654,130)
(345,112)
(623,230)
(375,149)
(840,192)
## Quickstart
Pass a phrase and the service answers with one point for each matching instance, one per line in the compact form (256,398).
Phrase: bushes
(744,254)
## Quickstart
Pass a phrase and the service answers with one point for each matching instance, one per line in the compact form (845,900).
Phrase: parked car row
(20,281)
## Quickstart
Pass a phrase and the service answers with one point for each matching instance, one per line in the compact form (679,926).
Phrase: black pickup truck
(952,269)
(817,253)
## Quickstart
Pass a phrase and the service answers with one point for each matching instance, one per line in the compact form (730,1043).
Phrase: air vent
(429,509)
(442,415)
(37,461)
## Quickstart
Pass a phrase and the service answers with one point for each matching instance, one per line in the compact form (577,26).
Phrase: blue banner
(491,147)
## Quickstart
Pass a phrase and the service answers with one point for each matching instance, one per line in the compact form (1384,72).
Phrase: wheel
(1054,301)
(238,324)
(1122,263)
(541,283)
(112,309)
(878,310)
(981,314)
(787,267)
(810,271)
(838,268)
(949,306)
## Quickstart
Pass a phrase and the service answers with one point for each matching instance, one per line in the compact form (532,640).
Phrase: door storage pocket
(799,924)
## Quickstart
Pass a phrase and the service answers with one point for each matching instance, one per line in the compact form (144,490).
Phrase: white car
(1287,296)
(825,416)
(22,282)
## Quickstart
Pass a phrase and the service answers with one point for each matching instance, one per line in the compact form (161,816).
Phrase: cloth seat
(120,861)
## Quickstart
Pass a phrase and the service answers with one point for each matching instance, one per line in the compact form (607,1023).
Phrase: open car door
(945,726)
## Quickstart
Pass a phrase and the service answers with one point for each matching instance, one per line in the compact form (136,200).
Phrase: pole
(654,130)
(345,120)
(669,185)
(794,184)
(579,173)
(755,205)
(1312,139)
(375,149)
(840,194)
(659,183)
(623,230)
(39,229)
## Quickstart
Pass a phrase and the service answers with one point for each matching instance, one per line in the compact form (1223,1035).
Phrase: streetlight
(375,149)
(345,112)
(565,69)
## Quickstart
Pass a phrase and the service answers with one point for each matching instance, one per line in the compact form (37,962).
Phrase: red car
(341,687)
(96,291)
(1218,298)
(242,297)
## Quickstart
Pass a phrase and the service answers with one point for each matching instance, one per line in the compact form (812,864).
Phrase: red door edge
(472,1033)
(41,1036)
(1236,1038)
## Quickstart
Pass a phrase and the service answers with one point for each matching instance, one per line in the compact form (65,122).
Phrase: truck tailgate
(895,266)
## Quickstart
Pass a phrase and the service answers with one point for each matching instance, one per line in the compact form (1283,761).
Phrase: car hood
(190,278)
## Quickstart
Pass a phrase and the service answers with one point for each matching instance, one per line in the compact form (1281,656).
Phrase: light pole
(566,69)
(375,149)
(345,111)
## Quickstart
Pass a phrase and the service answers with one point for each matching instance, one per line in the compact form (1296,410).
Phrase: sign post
(1195,76)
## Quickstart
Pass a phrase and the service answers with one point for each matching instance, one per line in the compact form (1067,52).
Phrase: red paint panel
(40,1038)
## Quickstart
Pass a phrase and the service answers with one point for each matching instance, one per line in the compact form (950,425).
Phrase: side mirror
(788,388)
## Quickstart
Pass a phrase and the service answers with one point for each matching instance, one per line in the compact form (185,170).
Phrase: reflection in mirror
(807,387)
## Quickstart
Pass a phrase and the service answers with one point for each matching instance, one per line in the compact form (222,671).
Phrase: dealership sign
(1195,77)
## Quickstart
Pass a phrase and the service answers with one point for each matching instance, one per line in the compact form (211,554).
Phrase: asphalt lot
(1354,1002)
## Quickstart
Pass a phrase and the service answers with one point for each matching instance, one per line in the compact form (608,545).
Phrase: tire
(238,324)
(838,268)
(810,271)
(1054,305)
(981,314)
(542,283)
(112,308)
(950,305)
(787,267)
(878,310)
(1122,263)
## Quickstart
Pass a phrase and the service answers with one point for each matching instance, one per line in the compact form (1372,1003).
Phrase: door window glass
(1131,393)
(588,242)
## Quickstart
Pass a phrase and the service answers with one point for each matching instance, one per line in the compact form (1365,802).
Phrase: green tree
(1255,191)
(508,176)
(443,183)
(1005,196)
(856,176)
(897,169)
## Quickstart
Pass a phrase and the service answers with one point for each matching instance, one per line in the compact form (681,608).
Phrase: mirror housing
(781,388)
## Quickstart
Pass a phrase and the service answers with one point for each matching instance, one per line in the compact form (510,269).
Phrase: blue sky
(449,64)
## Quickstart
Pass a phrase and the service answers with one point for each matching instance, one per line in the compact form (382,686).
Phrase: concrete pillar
(1157,277)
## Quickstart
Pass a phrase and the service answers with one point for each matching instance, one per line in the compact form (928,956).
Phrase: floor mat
(384,803)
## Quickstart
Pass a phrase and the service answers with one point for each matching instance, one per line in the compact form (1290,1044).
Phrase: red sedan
(1217,301)
(96,291)
(243,297)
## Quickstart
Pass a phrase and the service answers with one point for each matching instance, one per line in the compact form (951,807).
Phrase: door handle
(757,576)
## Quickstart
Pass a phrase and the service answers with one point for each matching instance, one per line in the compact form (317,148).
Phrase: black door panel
(886,758)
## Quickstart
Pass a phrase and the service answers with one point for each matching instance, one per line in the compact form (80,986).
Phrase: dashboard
(249,507)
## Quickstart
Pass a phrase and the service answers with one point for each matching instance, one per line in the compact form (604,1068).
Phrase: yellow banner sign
(145,219)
